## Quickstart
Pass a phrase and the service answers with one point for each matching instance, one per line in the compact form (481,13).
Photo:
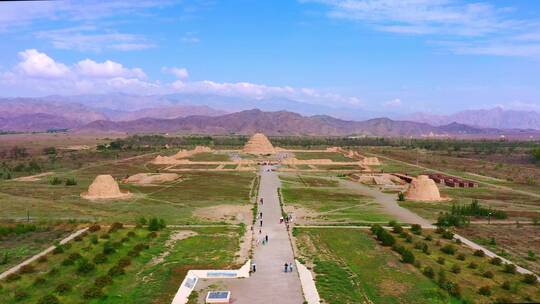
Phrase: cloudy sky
(387,55)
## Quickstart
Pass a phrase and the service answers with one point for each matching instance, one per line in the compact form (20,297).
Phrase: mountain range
(208,114)
(488,118)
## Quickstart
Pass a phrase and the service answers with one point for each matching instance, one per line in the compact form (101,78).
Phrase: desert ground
(131,219)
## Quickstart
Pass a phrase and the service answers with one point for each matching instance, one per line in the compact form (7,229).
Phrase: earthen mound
(259,144)
(423,188)
(105,187)
(188,153)
(151,178)
(371,161)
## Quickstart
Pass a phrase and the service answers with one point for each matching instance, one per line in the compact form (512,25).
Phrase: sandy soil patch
(33,178)
(151,178)
(233,214)
(393,288)
(301,215)
(177,236)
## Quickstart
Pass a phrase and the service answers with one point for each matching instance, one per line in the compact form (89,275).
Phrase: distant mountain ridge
(488,118)
(282,123)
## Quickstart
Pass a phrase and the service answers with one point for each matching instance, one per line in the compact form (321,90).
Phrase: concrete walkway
(269,284)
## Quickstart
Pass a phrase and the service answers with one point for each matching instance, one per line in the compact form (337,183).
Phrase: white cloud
(478,27)
(90,38)
(107,69)
(180,73)
(38,74)
(393,103)
(36,64)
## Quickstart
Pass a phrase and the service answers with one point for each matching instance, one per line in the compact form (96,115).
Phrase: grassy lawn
(330,202)
(350,267)
(196,166)
(337,167)
(230,166)
(174,201)
(145,279)
(334,156)
(468,279)
(209,156)
(302,167)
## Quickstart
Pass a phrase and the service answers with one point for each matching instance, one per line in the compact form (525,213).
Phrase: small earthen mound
(259,144)
(151,178)
(104,187)
(423,188)
(188,153)
(371,161)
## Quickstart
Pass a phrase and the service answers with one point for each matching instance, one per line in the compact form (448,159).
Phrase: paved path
(269,284)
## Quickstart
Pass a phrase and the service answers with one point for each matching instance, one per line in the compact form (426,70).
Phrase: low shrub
(53,272)
(58,249)
(428,272)
(408,239)
(416,229)
(93,293)
(103,281)
(496,261)
(62,288)
(479,253)
(85,267)
(20,295)
(93,239)
(42,259)
(428,238)
(39,281)
(133,253)
(105,236)
(13,277)
(94,228)
(472,265)
(68,262)
(407,257)
(485,291)
(440,260)
(115,227)
(71,181)
(78,238)
(151,235)
(131,234)
(488,274)
(49,299)
(455,269)
(510,268)
(108,248)
(461,257)
(447,235)
(448,249)
(506,285)
(100,258)
(124,262)
(425,249)
(28,268)
(116,271)
(397,229)
(529,278)
(453,289)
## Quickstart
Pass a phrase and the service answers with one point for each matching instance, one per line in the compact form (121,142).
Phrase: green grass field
(145,278)
(332,203)
(210,156)
(334,156)
(351,267)
(173,201)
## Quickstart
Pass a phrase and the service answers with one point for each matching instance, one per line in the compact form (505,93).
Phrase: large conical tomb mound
(259,144)
(423,188)
(104,187)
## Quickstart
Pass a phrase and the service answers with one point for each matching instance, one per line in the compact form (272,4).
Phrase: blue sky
(394,56)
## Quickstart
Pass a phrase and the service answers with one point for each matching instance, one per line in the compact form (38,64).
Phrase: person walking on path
(286,267)
(260,215)
(290,267)
(253,267)
(261,201)
(261,223)
(266,238)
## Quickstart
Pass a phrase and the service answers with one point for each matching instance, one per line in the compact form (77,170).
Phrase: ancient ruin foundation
(259,144)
